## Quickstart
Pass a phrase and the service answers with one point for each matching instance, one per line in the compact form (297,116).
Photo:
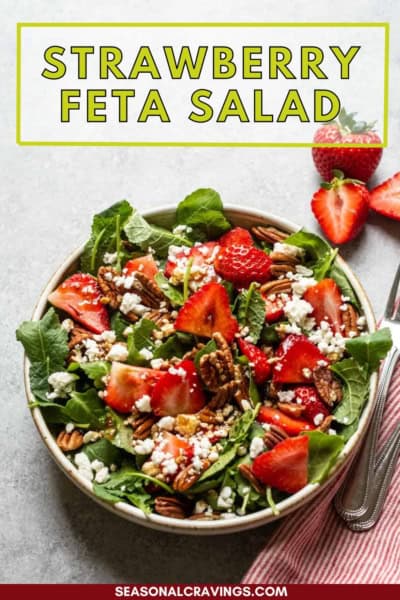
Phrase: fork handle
(351,502)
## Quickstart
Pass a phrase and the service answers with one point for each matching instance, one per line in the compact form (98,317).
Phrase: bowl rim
(223,526)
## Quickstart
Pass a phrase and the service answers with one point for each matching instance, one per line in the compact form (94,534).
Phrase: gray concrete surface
(49,531)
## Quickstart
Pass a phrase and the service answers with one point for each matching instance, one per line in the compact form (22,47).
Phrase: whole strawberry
(358,163)
(341,208)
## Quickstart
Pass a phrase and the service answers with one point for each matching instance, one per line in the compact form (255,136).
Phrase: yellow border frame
(384,144)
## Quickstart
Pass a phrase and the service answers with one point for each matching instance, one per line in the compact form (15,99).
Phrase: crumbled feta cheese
(82,460)
(327,341)
(256,447)
(132,303)
(286,396)
(169,466)
(166,423)
(225,499)
(177,371)
(87,473)
(128,330)
(143,404)
(67,325)
(91,436)
(146,353)
(110,258)
(179,229)
(118,352)
(96,465)
(213,456)
(102,475)
(305,271)
(200,507)
(307,373)
(156,363)
(69,427)
(289,250)
(319,417)
(297,311)
(106,336)
(246,405)
(361,322)
(144,447)
(62,384)
(241,451)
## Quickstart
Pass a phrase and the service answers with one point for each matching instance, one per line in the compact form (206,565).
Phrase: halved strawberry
(274,416)
(314,408)
(206,312)
(385,198)
(242,264)
(326,298)
(274,304)
(285,467)
(174,446)
(178,391)
(127,384)
(237,235)
(297,358)
(201,254)
(144,264)
(341,208)
(260,366)
(79,296)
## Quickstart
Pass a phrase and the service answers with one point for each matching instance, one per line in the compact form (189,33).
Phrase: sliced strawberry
(297,358)
(206,312)
(79,296)
(274,416)
(274,305)
(285,467)
(242,264)
(172,445)
(237,235)
(144,264)
(202,254)
(341,208)
(385,198)
(326,299)
(314,409)
(127,384)
(260,366)
(178,391)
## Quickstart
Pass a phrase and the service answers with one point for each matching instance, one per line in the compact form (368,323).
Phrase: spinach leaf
(170,291)
(240,429)
(139,339)
(269,335)
(203,212)
(355,391)
(345,286)
(118,325)
(104,451)
(46,346)
(323,450)
(53,413)
(319,254)
(173,346)
(86,408)
(123,436)
(346,431)
(144,235)
(105,236)
(251,311)
(96,371)
(369,350)
(254,394)
(220,464)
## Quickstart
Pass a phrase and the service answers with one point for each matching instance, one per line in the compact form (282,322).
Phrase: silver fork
(360,499)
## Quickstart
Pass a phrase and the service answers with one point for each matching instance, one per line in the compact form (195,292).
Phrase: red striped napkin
(314,545)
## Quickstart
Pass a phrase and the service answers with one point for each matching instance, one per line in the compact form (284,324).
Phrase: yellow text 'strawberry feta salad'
(202,372)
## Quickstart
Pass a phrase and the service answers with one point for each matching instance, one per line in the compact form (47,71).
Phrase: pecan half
(141,425)
(224,394)
(77,335)
(282,263)
(292,409)
(247,473)
(349,321)
(269,234)
(111,293)
(207,415)
(188,477)
(191,354)
(217,368)
(274,435)
(242,386)
(149,292)
(69,441)
(170,507)
(276,286)
(327,386)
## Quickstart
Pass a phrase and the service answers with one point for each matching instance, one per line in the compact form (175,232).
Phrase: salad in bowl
(201,369)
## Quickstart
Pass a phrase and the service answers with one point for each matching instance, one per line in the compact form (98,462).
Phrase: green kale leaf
(46,346)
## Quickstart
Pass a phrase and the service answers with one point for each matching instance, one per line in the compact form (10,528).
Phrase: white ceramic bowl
(246,218)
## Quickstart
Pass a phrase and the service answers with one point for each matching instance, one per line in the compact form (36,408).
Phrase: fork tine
(392,310)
